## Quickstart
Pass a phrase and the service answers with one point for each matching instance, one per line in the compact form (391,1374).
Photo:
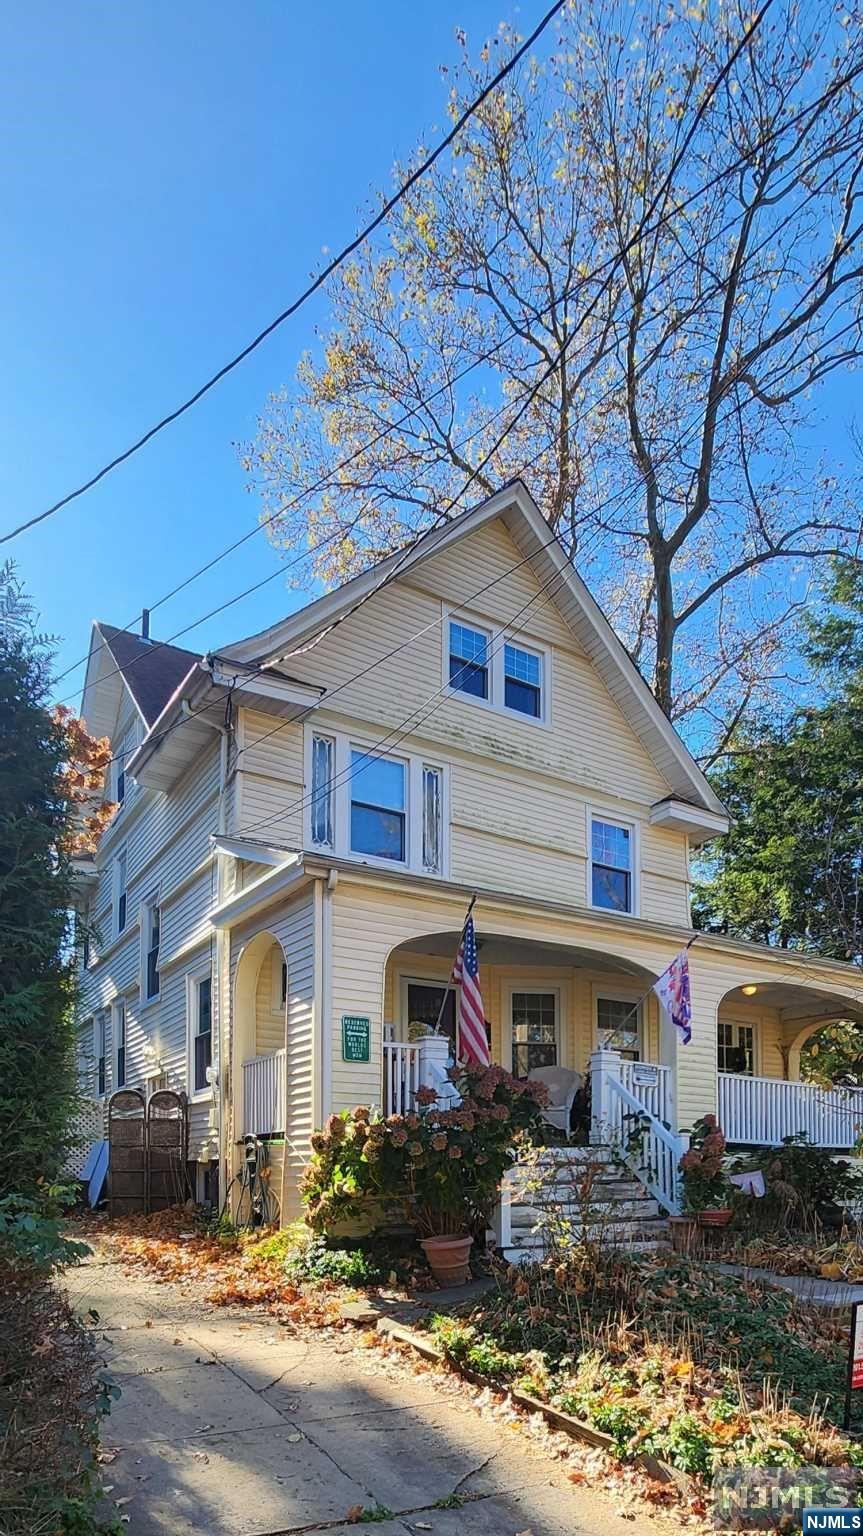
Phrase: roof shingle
(152,670)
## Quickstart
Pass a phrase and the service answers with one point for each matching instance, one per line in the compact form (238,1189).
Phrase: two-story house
(304,817)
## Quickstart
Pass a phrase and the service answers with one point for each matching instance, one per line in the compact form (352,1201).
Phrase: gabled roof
(151,671)
(531,534)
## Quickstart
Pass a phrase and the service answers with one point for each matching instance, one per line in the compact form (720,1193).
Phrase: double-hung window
(618,1026)
(202,1024)
(611,865)
(120,1044)
(469,660)
(378,806)
(152,936)
(120,886)
(127,747)
(735,1048)
(100,1047)
(522,680)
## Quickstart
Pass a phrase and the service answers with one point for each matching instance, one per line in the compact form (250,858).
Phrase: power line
(393,572)
(327,478)
(323,276)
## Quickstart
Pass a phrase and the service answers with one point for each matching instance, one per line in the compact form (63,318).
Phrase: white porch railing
(264,1095)
(401,1076)
(633,1099)
(410,1064)
(760,1111)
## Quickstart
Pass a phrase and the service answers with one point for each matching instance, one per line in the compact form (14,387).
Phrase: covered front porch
(762,1028)
(547,1006)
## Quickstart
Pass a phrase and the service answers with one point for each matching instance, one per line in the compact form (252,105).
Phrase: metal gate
(127,1152)
(148,1143)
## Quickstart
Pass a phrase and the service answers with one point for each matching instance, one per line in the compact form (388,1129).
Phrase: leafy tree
(790,871)
(655,275)
(49,771)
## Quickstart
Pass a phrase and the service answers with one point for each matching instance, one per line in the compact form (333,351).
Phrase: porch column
(604,1067)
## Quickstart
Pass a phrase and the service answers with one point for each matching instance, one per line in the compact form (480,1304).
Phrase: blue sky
(169,179)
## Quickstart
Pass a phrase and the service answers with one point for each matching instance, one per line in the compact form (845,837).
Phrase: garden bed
(693,1369)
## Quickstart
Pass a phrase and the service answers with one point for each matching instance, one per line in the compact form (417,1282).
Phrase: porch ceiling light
(749,991)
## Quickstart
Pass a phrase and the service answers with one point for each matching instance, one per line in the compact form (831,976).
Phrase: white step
(616,1210)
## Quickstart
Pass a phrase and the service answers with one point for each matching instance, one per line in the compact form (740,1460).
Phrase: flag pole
(448,986)
(645,995)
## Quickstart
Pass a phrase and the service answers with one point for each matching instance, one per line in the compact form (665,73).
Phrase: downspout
(326,995)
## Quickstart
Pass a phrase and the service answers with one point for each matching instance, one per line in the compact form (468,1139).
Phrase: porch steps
(590,1195)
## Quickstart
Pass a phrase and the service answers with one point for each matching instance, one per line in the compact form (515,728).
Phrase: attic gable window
(522,671)
(468,660)
(498,670)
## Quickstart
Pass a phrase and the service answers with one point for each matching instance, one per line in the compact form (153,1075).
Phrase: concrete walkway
(810,1288)
(231,1425)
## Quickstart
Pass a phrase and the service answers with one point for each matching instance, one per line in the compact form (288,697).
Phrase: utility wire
(327,478)
(323,276)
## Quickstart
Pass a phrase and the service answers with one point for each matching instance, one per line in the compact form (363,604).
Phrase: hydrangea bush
(705,1184)
(441,1166)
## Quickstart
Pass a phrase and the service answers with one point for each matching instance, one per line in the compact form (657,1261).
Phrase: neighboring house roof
(119,661)
(533,538)
(151,669)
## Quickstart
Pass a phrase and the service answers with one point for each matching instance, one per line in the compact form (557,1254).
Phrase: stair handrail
(606,1089)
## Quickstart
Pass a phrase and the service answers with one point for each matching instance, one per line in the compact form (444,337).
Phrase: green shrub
(315,1260)
(52,1393)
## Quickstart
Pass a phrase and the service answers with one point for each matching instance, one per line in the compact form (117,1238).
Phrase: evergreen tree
(49,769)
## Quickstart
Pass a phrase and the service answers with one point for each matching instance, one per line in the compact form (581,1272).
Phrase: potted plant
(455,1157)
(706,1190)
(441,1165)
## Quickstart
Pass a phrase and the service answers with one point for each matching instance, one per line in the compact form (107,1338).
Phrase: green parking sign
(356,1033)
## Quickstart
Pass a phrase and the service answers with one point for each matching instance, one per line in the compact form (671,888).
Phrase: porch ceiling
(498,949)
(796,1002)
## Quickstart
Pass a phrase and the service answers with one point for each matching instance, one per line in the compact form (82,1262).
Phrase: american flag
(465,974)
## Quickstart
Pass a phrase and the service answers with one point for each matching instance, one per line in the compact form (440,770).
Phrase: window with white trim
(100,1050)
(200,1026)
(534,1031)
(432,815)
(322,789)
(469,660)
(522,680)
(618,1026)
(384,808)
(120,898)
(124,752)
(119,1026)
(735,1048)
(151,930)
(611,865)
(378,806)
(498,669)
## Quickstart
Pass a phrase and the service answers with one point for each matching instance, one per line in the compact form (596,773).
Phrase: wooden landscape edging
(576,1428)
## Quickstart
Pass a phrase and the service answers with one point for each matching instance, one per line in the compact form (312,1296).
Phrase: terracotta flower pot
(714,1218)
(448,1258)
